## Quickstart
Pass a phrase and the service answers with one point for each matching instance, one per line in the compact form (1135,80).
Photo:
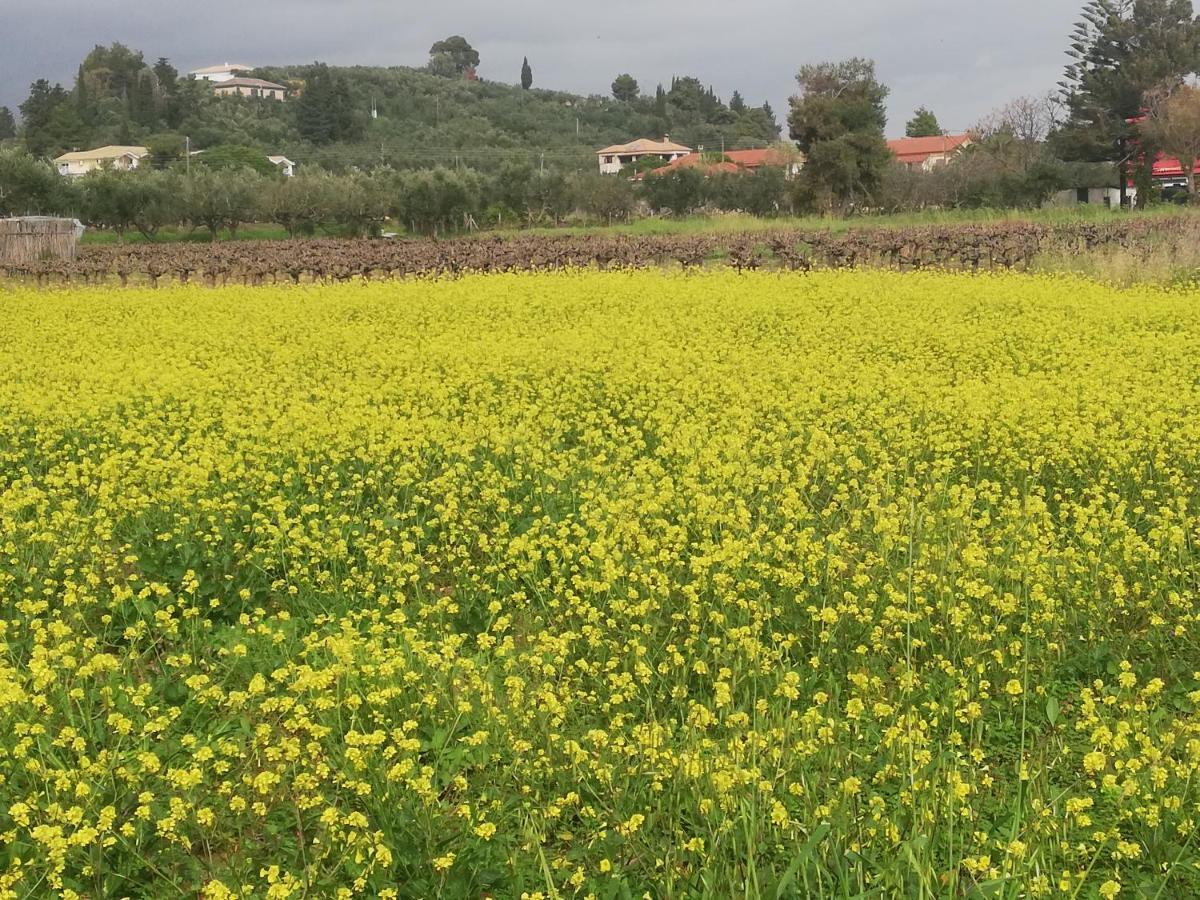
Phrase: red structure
(734,162)
(1166,169)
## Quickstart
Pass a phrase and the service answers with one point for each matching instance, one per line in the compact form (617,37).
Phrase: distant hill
(425,119)
(341,117)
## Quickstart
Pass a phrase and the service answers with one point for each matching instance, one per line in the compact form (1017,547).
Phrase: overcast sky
(960,57)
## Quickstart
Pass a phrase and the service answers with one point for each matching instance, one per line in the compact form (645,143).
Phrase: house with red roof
(736,162)
(924,154)
(769,158)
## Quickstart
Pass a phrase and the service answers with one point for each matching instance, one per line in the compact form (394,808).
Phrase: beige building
(614,159)
(83,161)
(250,87)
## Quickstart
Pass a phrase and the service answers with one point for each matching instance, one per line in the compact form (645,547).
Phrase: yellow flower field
(849,584)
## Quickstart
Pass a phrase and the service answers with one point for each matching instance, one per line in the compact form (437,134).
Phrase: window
(608,159)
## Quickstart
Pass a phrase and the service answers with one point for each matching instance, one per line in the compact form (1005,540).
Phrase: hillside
(421,119)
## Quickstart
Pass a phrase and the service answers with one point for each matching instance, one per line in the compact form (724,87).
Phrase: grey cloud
(960,58)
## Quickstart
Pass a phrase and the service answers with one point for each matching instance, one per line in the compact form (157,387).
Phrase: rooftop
(1169,167)
(755,159)
(734,161)
(217,70)
(249,83)
(110,152)
(696,161)
(921,148)
(645,145)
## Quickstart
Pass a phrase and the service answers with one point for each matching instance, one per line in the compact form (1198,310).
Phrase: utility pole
(187,153)
(1123,172)
(542,165)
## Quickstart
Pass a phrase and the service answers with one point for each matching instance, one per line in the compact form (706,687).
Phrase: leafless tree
(1028,119)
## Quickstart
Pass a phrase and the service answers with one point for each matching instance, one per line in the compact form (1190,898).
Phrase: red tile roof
(695,162)
(1165,167)
(735,161)
(917,150)
(756,159)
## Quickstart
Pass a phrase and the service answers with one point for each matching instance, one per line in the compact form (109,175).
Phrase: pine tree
(8,125)
(625,88)
(660,101)
(838,120)
(1121,50)
(325,111)
(50,121)
(736,103)
(453,55)
(923,124)
(168,76)
(526,75)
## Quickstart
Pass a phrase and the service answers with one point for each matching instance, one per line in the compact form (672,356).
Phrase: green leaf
(801,859)
(989,888)
(1052,711)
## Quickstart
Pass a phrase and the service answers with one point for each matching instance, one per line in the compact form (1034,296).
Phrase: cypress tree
(83,99)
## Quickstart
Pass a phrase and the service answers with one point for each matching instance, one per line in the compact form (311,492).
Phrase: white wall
(1110,197)
(622,160)
(77,167)
(264,93)
(217,77)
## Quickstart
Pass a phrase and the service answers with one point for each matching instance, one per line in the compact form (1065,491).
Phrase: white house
(614,159)
(284,165)
(83,161)
(1098,196)
(250,87)
(221,73)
